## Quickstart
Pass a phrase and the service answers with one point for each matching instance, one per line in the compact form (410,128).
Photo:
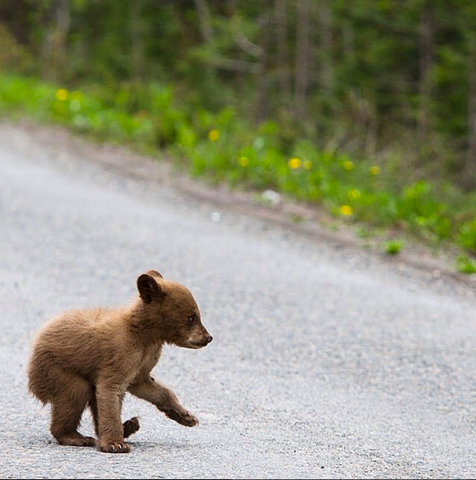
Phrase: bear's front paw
(115,447)
(184,418)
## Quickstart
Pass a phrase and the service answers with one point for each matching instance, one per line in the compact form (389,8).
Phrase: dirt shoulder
(306,220)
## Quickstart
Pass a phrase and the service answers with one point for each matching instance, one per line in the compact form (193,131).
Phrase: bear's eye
(192,318)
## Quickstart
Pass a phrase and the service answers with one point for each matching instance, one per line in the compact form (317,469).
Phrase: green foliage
(367,110)
(393,247)
(467,235)
(369,82)
(223,146)
(464,264)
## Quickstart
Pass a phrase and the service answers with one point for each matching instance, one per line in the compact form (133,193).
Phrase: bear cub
(92,357)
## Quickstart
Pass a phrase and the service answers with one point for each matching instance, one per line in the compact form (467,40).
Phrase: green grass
(464,264)
(393,247)
(225,147)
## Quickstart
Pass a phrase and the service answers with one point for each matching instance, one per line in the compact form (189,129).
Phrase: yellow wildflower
(294,163)
(346,210)
(348,165)
(213,135)
(307,164)
(374,170)
(243,161)
(61,94)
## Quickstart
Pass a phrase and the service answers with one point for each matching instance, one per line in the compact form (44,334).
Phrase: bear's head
(170,309)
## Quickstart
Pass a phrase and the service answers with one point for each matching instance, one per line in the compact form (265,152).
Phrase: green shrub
(393,247)
(467,235)
(464,264)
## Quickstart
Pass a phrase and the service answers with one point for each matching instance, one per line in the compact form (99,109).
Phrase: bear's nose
(209,339)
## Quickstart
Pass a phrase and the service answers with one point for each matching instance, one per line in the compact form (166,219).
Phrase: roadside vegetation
(222,146)
(376,133)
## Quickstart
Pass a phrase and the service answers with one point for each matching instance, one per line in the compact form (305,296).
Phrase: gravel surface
(328,361)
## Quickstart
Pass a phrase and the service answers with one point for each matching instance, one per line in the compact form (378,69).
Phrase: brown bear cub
(91,358)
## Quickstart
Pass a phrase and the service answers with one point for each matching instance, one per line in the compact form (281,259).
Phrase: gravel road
(328,361)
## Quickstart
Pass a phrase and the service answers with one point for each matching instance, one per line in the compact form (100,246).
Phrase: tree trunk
(348,41)
(325,27)
(469,170)
(262,68)
(53,50)
(426,61)
(204,20)
(137,39)
(301,79)
(282,51)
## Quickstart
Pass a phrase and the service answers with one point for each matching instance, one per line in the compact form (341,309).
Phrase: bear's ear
(148,288)
(154,273)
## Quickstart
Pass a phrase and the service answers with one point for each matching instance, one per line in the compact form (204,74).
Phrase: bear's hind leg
(67,409)
(130,426)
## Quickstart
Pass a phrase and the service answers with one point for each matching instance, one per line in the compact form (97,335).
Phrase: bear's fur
(92,357)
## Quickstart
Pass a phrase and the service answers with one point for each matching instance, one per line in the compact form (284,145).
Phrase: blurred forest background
(365,107)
